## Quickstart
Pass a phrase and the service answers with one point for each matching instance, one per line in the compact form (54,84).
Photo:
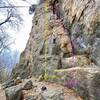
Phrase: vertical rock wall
(81,19)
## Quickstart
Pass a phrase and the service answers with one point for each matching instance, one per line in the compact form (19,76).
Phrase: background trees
(10,18)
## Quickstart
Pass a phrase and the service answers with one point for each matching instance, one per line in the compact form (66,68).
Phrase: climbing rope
(45,36)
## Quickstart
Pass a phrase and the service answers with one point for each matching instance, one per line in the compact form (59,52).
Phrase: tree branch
(5,21)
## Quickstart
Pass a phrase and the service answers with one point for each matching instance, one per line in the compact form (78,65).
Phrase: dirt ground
(68,93)
(2,94)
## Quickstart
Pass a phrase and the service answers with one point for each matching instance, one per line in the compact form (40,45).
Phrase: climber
(56,8)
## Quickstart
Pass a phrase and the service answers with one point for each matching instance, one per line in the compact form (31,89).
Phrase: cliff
(63,46)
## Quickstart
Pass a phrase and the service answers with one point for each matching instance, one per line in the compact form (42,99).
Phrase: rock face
(15,92)
(83,20)
(95,55)
(65,35)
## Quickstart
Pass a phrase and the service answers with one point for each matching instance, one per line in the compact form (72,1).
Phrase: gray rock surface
(13,93)
(53,95)
(82,18)
(95,55)
(28,85)
(8,83)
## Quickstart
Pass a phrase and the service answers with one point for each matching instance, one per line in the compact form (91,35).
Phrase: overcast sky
(22,35)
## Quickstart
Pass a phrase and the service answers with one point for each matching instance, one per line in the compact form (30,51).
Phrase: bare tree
(10,18)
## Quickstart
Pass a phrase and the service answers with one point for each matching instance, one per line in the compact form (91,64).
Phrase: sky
(22,35)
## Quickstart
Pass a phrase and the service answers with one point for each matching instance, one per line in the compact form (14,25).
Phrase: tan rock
(74,61)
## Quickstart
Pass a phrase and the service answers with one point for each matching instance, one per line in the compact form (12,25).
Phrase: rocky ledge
(32,89)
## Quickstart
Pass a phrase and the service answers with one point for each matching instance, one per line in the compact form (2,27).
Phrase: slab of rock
(8,83)
(14,93)
(53,95)
(74,61)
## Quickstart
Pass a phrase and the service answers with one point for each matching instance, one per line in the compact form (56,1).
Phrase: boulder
(82,19)
(53,95)
(8,83)
(43,93)
(52,62)
(14,93)
(35,96)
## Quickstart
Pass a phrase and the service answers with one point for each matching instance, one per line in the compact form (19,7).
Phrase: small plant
(72,83)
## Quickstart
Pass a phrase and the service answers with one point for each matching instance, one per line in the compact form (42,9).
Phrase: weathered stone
(82,44)
(74,61)
(28,85)
(82,18)
(8,83)
(11,82)
(95,55)
(27,95)
(53,95)
(13,93)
